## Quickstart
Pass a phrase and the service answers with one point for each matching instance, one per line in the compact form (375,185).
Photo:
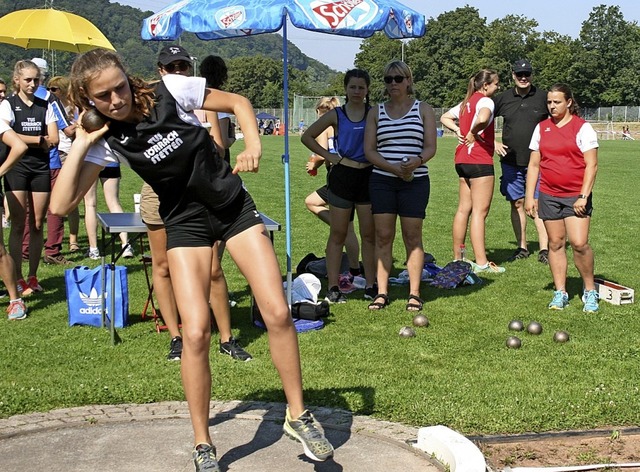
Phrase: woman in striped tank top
(400,138)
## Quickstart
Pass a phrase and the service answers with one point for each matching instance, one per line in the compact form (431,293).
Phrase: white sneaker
(128,252)
(93,253)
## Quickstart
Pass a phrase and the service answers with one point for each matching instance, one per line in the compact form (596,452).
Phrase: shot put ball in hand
(92,120)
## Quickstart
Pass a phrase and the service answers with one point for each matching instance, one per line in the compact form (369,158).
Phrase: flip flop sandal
(374,305)
(414,306)
(73,247)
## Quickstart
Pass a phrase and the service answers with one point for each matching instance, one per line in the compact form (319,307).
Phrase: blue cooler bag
(83,287)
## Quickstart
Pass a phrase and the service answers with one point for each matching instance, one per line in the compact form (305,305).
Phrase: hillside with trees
(601,65)
(255,62)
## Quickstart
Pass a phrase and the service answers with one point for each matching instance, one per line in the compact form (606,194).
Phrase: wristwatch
(582,196)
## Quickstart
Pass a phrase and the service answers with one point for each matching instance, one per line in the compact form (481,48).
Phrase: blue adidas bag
(83,286)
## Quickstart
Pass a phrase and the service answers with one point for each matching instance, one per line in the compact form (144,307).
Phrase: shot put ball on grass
(516,325)
(513,342)
(534,328)
(561,337)
(420,320)
(407,332)
(92,120)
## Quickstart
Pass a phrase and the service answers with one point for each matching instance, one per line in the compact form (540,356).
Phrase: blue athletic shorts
(513,182)
(396,196)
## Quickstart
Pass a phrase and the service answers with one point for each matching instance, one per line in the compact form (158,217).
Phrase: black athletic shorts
(110,173)
(323,192)
(206,227)
(473,171)
(559,208)
(21,179)
(348,186)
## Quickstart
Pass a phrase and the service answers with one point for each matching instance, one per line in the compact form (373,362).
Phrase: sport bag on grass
(452,275)
(83,286)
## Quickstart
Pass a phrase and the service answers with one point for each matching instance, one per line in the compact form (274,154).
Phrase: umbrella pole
(285,159)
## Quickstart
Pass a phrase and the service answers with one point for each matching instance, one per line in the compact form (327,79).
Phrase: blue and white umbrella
(219,19)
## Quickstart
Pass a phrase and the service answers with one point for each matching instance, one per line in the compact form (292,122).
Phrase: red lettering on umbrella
(335,12)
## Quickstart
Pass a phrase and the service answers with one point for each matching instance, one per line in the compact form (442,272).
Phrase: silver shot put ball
(534,328)
(513,342)
(407,332)
(92,120)
(420,321)
(516,325)
(561,337)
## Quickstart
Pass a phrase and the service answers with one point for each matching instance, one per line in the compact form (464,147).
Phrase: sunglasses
(396,78)
(181,66)
(523,74)
(53,89)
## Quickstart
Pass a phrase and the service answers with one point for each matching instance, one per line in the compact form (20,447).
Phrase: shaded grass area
(457,372)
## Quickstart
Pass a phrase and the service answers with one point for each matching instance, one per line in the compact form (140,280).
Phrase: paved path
(156,437)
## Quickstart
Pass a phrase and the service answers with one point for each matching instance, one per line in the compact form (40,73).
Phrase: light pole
(195,65)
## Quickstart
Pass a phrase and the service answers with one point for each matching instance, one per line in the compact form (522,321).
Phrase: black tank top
(177,159)
(31,121)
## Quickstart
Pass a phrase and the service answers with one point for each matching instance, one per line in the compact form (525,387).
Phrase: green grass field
(457,372)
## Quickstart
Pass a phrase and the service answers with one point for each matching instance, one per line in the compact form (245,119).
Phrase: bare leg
(219,296)
(190,271)
(17,201)
(385,228)
(519,222)
(368,236)
(74,226)
(543,239)
(578,232)
(253,253)
(111,188)
(412,236)
(461,218)
(8,270)
(557,253)
(39,204)
(481,194)
(316,205)
(162,286)
(91,215)
(337,236)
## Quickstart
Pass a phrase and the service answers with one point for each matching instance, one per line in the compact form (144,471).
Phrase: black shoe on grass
(521,253)
(232,348)
(334,295)
(175,351)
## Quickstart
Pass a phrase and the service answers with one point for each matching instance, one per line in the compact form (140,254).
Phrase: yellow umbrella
(51,29)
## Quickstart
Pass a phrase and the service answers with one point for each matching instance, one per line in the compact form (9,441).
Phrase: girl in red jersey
(474,165)
(564,153)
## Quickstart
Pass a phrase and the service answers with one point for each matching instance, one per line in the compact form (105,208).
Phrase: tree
(553,59)
(375,53)
(447,56)
(608,41)
(509,39)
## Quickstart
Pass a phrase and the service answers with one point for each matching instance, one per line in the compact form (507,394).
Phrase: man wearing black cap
(174,59)
(522,108)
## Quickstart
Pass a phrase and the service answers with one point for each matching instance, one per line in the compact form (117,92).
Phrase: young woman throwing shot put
(202,200)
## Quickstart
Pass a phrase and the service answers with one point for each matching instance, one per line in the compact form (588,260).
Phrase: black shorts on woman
(348,186)
(474,171)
